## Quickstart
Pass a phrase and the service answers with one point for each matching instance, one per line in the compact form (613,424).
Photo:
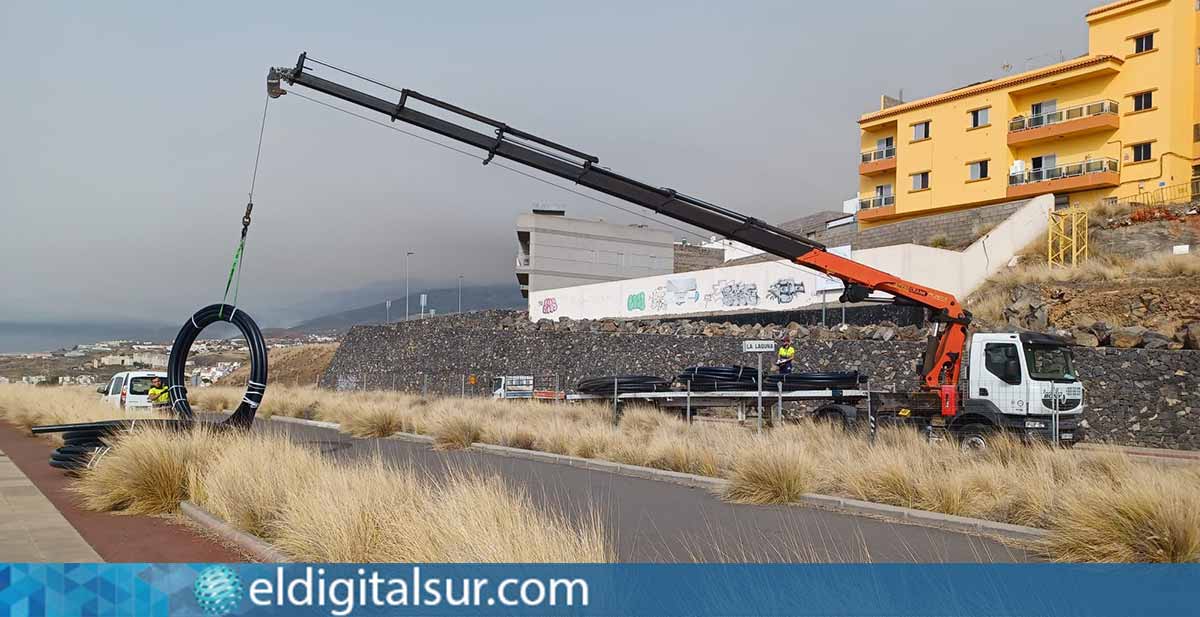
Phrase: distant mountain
(444,301)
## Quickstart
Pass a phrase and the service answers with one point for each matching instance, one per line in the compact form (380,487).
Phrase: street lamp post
(406,256)
(460,293)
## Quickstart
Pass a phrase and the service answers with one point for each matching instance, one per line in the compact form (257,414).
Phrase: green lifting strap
(235,267)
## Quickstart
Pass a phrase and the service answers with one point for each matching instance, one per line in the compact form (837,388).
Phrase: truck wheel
(831,418)
(974,437)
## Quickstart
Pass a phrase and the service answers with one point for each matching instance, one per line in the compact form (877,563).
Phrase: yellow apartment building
(1122,119)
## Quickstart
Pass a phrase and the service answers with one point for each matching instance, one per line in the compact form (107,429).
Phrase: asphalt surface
(653,521)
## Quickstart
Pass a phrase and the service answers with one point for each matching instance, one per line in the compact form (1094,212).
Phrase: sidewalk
(31,528)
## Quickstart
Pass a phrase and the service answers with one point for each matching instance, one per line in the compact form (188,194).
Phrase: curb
(252,546)
(924,518)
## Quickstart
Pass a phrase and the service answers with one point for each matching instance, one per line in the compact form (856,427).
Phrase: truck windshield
(1050,363)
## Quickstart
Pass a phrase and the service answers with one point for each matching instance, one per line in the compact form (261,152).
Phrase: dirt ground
(1161,304)
(301,365)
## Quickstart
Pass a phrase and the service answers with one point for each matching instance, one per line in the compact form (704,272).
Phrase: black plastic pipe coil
(256,385)
(83,442)
(829,380)
(623,384)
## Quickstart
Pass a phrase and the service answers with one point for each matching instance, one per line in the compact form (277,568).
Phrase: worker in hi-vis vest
(785,355)
(159,393)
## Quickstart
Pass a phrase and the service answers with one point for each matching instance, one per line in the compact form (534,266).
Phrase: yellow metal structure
(1122,119)
(1067,237)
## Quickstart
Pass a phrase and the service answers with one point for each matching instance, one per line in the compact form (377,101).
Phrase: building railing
(879,201)
(1086,110)
(522,260)
(879,154)
(1066,170)
(1186,193)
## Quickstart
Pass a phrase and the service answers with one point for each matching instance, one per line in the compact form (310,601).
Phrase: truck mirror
(1012,372)
(102,389)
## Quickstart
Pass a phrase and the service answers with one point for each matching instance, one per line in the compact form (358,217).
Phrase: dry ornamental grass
(1097,506)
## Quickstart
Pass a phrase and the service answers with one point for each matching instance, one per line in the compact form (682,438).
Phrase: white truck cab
(512,386)
(1020,382)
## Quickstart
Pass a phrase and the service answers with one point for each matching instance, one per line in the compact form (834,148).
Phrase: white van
(129,389)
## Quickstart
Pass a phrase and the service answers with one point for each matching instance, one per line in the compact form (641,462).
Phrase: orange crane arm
(942,362)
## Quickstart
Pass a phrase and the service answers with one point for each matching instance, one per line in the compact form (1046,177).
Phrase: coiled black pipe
(731,378)
(256,386)
(814,381)
(623,384)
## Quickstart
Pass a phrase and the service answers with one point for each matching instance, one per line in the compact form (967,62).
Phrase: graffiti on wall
(549,305)
(675,293)
(785,290)
(658,299)
(733,293)
(636,302)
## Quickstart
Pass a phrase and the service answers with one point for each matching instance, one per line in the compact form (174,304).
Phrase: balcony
(879,206)
(1077,120)
(1089,174)
(877,161)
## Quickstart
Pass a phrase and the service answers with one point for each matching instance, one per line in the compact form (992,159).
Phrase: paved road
(660,521)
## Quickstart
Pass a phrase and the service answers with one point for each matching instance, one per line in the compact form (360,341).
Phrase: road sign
(423,299)
(758,346)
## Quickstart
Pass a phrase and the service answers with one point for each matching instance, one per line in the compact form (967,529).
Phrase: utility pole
(406,256)
(460,293)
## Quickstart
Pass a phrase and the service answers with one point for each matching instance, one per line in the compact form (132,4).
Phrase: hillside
(301,365)
(444,301)
(1132,292)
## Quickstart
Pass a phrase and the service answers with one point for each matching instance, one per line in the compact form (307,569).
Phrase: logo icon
(218,590)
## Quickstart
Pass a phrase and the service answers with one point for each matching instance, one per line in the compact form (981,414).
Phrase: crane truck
(1023,383)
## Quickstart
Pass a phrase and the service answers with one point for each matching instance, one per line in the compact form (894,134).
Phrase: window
(1143,101)
(1143,43)
(1003,361)
(920,181)
(979,170)
(979,117)
(140,385)
(1044,167)
(921,131)
(117,382)
(1049,363)
(1141,152)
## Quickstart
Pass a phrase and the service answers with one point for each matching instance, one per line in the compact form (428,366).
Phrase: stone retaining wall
(1137,397)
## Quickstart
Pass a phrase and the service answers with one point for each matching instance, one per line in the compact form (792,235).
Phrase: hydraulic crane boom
(942,362)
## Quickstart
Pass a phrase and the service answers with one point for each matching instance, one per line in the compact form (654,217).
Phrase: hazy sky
(129,129)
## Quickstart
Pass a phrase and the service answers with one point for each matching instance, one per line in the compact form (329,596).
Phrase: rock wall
(1140,397)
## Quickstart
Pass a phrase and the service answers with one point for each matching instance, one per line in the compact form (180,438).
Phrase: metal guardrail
(866,203)
(1097,108)
(1176,194)
(879,154)
(1066,170)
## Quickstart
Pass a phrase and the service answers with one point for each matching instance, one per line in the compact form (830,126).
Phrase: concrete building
(555,251)
(1121,120)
